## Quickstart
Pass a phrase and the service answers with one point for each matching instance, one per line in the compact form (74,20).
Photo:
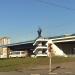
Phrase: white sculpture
(55,50)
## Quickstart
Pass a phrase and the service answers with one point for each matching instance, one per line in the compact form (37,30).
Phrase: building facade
(4,50)
(38,47)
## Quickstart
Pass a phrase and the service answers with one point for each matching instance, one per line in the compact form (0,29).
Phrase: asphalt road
(37,72)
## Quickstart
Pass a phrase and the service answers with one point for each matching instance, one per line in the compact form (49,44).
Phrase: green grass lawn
(19,63)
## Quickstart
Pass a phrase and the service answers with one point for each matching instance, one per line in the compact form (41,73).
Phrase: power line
(56,5)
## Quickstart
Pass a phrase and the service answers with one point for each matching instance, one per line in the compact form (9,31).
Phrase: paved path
(36,72)
(59,69)
(11,73)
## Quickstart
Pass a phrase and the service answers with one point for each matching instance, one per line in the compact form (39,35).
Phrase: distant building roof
(61,36)
(19,43)
(54,38)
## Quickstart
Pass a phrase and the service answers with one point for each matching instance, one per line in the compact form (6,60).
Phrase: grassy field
(20,63)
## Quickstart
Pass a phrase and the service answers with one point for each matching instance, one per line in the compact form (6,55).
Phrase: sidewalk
(12,73)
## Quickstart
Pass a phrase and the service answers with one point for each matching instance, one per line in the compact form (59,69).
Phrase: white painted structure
(4,41)
(41,50)
(41,47)
(64,38)
(4,50)
(55,50)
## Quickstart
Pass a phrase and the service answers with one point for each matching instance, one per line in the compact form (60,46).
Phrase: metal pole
(50,63)
(50,58)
